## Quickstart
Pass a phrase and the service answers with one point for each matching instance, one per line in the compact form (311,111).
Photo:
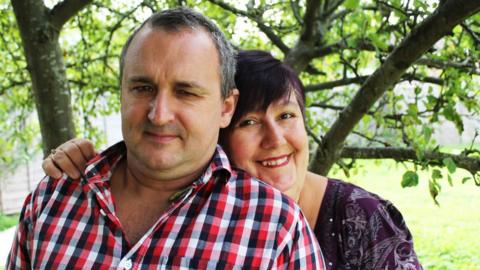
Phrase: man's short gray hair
(178,18)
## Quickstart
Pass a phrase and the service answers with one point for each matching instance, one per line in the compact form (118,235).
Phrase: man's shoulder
(245,181)
(253,192)
(49,190)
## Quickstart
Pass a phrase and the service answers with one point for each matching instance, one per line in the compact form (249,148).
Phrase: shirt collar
(99,169)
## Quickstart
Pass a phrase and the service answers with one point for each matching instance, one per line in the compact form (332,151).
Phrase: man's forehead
(188,55)
(186,38)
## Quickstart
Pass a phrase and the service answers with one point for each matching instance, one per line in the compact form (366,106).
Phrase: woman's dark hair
(261,80)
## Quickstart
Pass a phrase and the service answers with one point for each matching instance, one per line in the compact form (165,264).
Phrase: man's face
(171,103)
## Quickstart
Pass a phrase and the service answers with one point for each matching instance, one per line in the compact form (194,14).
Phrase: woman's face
(272,145)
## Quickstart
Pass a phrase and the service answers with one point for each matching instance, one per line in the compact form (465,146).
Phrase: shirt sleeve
(302,250)
(19,256)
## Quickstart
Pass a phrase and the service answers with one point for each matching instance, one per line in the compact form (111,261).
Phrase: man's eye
(247,122)
(185,93)
(143,89)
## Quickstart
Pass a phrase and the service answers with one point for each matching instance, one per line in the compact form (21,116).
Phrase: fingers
(70,157)
(68,162)
(50,169)
(86,148)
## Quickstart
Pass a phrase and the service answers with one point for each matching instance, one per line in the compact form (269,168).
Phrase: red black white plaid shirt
(225,220)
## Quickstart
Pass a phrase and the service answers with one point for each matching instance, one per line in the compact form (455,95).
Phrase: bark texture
(40,28)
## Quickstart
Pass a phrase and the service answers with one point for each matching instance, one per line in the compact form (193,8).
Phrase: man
(166,197)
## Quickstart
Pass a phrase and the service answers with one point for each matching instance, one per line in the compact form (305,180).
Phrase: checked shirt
(225,220)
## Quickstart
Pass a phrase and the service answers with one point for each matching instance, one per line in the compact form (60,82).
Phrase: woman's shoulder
(372,225)
(349,193)
(366,209)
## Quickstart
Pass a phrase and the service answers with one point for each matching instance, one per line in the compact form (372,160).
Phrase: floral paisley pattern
(359,230)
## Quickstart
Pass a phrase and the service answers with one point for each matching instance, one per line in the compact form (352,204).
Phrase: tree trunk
(47,71)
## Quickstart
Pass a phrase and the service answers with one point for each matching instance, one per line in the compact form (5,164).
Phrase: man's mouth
(161,137)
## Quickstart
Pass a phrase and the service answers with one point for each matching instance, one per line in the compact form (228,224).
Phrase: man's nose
(273,135)
(161,109)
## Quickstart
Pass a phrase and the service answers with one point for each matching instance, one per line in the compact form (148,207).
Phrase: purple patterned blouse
(359,230)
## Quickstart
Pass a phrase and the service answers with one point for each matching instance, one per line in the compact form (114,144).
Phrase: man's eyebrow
(189,84)
(141,79)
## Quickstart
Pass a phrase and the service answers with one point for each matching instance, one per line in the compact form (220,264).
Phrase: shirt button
(128,264)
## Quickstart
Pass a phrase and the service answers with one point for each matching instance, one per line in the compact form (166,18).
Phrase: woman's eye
(247,122)
(286,115)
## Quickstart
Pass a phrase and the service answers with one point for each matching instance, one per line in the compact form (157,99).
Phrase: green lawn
(7,221)
(446,236)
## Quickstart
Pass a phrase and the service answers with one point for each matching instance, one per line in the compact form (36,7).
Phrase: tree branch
(261,25)
(12,84)
(371,139)
(296,12)
(419,40)
(466,65)
(311,11)
(65,10)
(471,33)
(396,117)
(470,164)
(360,44)
(362,79)
(336,83)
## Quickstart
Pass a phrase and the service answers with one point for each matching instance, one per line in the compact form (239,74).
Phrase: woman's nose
(273,135)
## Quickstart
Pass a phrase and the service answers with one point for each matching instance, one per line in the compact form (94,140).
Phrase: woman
(355,228)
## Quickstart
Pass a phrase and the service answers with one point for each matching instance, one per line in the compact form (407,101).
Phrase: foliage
(18,128)
(334,45)
(7,221)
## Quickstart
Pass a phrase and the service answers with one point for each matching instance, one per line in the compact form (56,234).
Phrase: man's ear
(228,108)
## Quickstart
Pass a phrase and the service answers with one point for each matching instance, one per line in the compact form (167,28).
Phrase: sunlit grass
(8,221)
(446,236)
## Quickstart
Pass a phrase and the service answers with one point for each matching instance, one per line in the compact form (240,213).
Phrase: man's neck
(141,200)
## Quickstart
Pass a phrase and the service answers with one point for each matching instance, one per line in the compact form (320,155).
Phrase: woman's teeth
(274,162)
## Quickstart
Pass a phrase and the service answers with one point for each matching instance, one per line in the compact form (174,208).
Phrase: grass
(445,236)
(8,221)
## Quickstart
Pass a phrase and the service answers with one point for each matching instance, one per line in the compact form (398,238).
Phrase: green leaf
(465,179)
(449,112)
(409,179)
(450,164)
(412,110)
(436,174)
(377,41)
(434,189)
(450,180)
(427,133)
(351,4)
